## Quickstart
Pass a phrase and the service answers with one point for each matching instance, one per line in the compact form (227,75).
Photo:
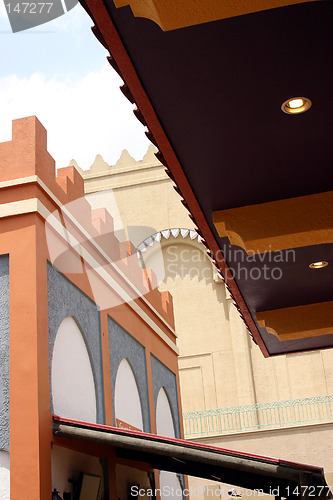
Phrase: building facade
(231,395)
(84,337)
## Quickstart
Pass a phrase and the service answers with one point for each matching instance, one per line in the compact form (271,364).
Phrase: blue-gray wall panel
(4,352)
(163,377)
(65,299)
(123,345)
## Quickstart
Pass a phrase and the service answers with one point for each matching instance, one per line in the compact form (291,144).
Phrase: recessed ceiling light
(319,264)
(296,105)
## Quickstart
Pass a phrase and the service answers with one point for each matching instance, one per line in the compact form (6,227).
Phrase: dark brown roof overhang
(186,96)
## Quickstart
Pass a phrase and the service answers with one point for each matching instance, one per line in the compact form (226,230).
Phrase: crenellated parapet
(26,156)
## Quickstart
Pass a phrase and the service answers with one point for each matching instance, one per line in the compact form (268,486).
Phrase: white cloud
(83,118)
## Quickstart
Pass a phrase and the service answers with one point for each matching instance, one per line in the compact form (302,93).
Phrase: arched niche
(72,379)
(164,419)
(169,481)
(127,398)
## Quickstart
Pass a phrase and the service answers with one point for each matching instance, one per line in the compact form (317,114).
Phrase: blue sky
(65,47)
(58,72)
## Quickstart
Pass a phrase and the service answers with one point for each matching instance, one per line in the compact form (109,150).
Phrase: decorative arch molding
(72,377)
(128,406)
(165,234)
(162,239)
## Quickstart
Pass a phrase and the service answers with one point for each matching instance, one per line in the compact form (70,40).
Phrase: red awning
(245,470)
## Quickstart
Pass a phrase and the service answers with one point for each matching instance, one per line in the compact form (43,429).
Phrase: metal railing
(276,414)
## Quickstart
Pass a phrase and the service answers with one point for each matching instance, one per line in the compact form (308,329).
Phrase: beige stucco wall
(311,445)
(219,365)
(292,444)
